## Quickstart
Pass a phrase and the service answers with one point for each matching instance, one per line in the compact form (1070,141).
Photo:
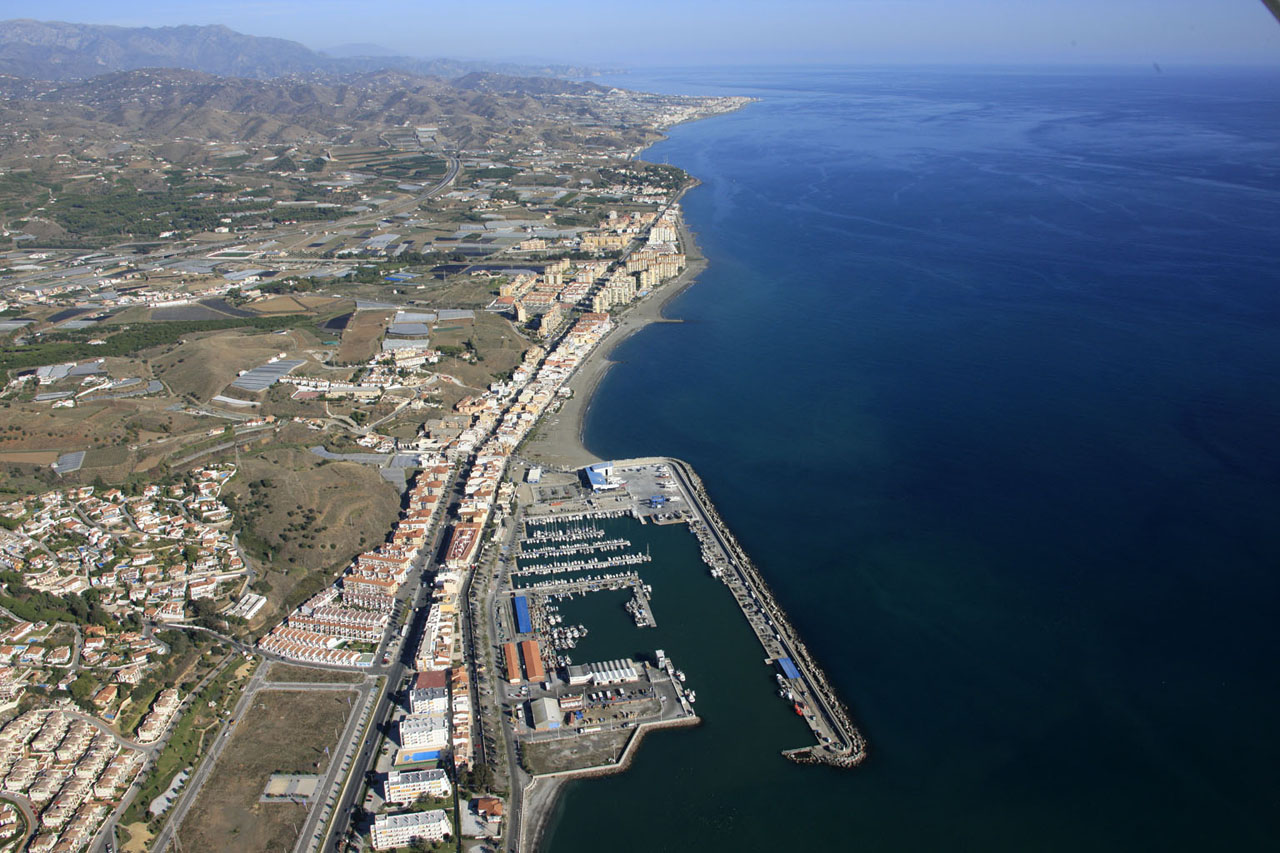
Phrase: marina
(571,545)
(579,565)
(574,548)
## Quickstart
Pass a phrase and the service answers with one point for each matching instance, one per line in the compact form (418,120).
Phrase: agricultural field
(297,304)
(201,367)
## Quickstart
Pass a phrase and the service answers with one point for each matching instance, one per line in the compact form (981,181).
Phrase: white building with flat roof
(399,830)
(425,732)
(428,700)
(408,785)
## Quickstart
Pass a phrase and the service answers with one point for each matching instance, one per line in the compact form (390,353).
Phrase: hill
(173,103)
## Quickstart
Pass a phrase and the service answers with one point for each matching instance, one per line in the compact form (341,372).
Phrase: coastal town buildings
(145,556)
(72,772)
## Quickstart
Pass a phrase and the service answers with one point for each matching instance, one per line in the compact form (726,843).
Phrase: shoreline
(560,443)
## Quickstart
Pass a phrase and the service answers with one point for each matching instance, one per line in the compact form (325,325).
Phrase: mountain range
(168,103)
(55,50)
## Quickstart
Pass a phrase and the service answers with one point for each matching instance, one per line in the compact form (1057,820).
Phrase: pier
(639,607)
(839,742)
(573,548)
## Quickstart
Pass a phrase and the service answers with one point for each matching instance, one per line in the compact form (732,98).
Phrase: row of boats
(571,533)
(584,565)
(638,606)
(572,548)
(590,583)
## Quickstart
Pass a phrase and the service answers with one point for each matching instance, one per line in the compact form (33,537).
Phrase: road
(193,785)
(23,805)
(395,673)
(338,765)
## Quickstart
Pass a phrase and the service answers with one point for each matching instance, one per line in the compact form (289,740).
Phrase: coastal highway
(353,785)
(340,760)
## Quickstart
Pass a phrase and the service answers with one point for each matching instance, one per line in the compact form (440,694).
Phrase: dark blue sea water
(985,373)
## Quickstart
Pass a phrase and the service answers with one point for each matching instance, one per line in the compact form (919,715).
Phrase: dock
(639,607)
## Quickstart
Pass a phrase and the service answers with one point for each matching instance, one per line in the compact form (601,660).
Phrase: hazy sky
(692,32)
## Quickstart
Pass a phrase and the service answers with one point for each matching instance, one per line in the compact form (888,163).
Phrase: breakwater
(840,743)
(545,787)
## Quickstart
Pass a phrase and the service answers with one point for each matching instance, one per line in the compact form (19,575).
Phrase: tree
(83,688)
(205,613)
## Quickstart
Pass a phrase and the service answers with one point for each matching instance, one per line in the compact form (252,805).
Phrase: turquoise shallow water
(984,373)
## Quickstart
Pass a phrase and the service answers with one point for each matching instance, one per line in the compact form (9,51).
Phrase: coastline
(559,443)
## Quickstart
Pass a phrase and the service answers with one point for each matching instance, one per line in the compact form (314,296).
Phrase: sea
(985,375)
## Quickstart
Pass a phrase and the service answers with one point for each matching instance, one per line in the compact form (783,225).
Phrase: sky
(718,32)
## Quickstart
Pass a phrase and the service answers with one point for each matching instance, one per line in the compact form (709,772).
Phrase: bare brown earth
(361,336)
(203,366)
(290,304)
(32,457)
(308,517)
(283,732)
(500,344)
(35,426)
(310,674)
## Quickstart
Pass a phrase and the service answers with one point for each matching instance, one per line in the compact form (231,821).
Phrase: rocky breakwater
(847,747)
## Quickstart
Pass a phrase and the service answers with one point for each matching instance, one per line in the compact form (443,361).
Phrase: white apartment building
(398,830)
(428,732)
(409,785)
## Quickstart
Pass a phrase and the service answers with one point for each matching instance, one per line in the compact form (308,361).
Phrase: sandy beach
(558,441)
